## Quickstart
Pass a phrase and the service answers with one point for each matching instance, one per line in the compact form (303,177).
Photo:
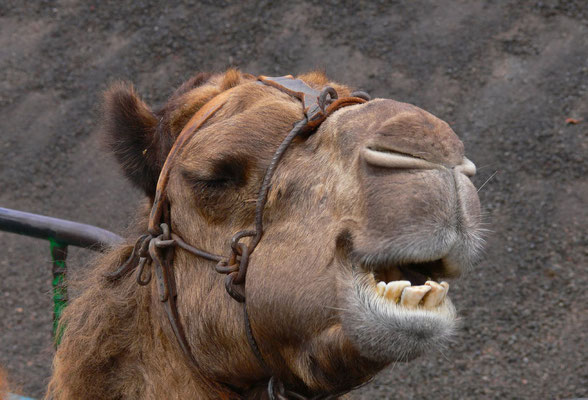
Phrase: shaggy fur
(107,357)
(328,212)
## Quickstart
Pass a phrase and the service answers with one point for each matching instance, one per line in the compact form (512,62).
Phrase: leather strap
(294,87)
(317,107)
(195,123)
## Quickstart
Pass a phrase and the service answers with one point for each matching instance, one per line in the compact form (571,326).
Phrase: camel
(364,219)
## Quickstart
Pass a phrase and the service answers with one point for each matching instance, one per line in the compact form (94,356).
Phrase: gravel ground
(505,74)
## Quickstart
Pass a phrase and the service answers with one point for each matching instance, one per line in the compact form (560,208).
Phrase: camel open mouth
(398,311)
(417,273)
(411,285)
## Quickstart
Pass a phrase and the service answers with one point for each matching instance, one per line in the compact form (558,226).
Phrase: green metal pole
(58,255)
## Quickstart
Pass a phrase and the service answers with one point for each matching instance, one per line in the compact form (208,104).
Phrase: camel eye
(224,173)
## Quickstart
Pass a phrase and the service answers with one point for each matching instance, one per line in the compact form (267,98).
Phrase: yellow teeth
(412,296)
(394,290)
(435,295)
(428,296)
(381,288)
(445,289)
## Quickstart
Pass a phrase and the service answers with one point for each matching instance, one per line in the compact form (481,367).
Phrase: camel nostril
(393,159)
(467,167)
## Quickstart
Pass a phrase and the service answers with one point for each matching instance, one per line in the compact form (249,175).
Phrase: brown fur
(117,342)
(3,385)
(106,357)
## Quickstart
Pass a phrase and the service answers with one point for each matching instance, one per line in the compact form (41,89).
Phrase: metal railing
(60,233)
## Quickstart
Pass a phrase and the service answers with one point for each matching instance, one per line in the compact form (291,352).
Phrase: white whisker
(487,180)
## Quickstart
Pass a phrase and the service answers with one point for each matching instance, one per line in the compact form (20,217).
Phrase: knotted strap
(317,105)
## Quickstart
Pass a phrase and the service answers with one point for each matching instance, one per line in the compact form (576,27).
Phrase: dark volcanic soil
(504,74)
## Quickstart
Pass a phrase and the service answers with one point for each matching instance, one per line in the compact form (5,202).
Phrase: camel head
(365,219)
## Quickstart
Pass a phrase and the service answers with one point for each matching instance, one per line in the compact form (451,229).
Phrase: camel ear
(130,132)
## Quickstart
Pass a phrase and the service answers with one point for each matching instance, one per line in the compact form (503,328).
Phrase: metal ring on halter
(237,292)
(222,267)
(144,248)
(140,268)
(323,101)
(131,261)
(243,264)
(361,94)
(238,236)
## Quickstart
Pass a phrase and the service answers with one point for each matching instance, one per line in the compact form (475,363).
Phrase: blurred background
(510,77)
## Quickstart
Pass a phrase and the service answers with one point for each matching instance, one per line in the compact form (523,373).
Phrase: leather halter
(153,248)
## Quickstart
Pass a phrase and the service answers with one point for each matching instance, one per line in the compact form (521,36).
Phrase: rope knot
(235,267)
(145,251)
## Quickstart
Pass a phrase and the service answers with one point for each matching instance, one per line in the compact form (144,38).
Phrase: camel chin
(395,321)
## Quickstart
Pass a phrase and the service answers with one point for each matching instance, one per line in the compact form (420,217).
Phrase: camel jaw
(397,314)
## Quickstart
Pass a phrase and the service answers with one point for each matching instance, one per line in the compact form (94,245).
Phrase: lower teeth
(429,295)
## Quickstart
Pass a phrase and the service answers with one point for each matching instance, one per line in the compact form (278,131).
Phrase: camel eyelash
(224,173)
(202,184)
